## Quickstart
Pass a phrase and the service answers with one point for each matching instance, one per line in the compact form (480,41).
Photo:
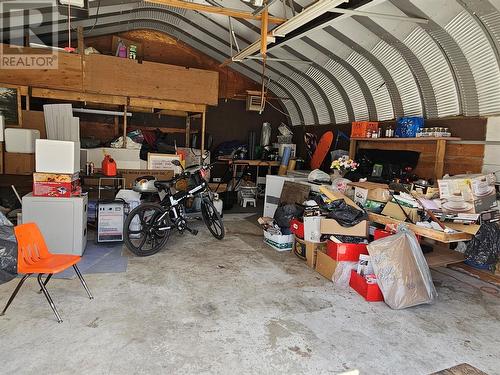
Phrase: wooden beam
(263,32)
(203,119)
(169,112)
(78,96)
(167,104)
(188,130)
(236,13)
(439,159)
(124,126)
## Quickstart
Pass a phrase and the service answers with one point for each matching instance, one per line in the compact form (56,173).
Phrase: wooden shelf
(439,153)
(416,139)
(425,232)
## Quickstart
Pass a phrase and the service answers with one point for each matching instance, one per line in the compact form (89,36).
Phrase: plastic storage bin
(21,141)
(57,156)
(345,252)
(359,128)
(370,292)
(297,228)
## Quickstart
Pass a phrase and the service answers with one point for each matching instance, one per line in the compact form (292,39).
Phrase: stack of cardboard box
(57,165)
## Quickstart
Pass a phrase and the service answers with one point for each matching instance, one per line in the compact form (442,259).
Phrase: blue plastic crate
(408,127)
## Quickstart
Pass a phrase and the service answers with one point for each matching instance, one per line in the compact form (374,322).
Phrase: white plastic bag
(402,271)
(342,274)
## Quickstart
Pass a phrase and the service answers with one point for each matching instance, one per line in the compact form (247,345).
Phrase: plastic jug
(108,166)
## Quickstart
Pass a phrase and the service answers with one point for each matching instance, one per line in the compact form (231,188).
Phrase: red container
(370,292)
(108,166)
(349,252)
(380,233)
(297,228)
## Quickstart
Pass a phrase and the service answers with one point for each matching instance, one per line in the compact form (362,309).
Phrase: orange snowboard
(324,145)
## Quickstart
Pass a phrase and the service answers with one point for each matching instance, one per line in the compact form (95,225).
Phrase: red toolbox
(349,252)
(297,228)
(370,292)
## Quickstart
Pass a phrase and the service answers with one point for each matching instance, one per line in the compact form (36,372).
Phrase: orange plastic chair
(33,257)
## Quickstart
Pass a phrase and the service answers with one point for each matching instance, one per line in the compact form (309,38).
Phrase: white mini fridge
(62,221)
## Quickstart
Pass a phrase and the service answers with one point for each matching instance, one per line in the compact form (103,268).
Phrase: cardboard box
(131,174)
(312,249)
(325,265)
(57,156)
(331,226)
(163,162)
(56,185)
(279,242)
(468,193)
(15,163)
(364,191)
(336,195)
(312,231)
(392,209)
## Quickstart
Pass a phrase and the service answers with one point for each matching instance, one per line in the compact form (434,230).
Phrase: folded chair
(33,257)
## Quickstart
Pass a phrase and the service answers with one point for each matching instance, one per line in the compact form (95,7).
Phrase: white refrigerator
(62,221)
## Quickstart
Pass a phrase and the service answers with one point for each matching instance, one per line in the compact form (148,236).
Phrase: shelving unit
(439,155)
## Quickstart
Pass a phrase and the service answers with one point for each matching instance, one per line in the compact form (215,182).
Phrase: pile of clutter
(331,233)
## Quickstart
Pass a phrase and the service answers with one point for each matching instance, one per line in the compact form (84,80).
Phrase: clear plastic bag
(342,274)
(402,271)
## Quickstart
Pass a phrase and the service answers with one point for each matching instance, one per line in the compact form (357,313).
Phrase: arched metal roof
(359,67)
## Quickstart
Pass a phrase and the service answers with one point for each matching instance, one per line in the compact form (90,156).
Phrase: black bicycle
(147,227)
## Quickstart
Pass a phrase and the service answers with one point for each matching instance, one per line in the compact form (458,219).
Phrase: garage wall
(492,147)
(461,156)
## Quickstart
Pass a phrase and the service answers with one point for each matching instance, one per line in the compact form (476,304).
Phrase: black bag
(484,248)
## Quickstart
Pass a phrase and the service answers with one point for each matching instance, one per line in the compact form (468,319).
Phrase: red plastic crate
(348,252)
(297,228)
(359,128)
(380,233)
(370,292)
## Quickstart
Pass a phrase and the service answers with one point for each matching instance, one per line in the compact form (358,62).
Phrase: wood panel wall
(461,157)
(161,48)
(111,75)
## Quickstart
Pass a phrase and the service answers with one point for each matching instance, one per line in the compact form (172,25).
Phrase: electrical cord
(277,109)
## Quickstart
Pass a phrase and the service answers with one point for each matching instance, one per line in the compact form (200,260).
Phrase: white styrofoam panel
(492,154)
(493,129)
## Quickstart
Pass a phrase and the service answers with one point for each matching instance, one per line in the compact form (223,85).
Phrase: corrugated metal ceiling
(363,68)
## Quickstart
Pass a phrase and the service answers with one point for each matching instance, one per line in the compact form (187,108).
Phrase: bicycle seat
(164,184)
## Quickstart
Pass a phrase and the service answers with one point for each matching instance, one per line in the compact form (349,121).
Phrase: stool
(248,200)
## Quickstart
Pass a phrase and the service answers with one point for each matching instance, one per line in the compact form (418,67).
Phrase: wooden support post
(19,108)
(116,128)
(81,43)
(263,32)
(188,130)
(125,126)
(352,149)
(203,116)
(439,158)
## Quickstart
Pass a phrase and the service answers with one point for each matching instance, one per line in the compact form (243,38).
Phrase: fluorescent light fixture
(278,59)
(308,14)
(100,112)
(353,12)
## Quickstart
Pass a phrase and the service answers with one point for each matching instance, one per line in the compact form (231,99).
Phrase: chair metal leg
(47,295)
(46,281)
(79,274)
(23,279)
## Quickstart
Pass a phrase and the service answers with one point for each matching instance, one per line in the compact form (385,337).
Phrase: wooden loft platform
(112,81)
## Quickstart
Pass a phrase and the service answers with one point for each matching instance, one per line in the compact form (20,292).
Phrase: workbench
(406,144)
(249,163)
(440,256)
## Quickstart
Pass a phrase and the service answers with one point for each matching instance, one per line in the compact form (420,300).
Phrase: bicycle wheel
(212,219)
(143,233)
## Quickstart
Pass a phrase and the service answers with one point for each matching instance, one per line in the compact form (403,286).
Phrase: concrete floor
(239,307)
